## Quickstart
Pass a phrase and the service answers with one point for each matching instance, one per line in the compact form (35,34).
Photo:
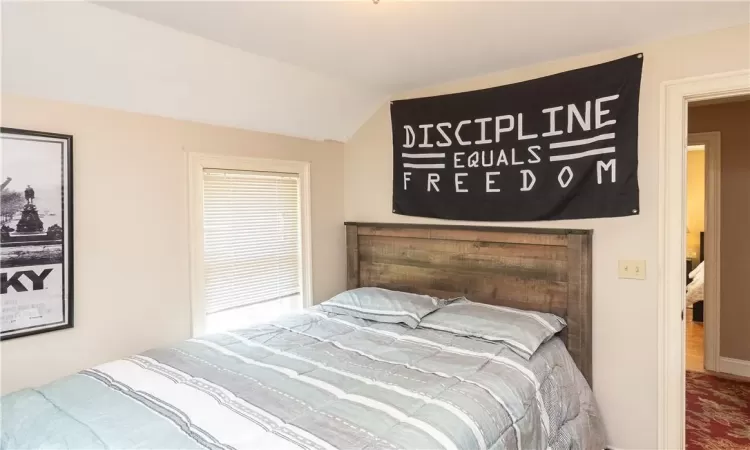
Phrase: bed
(695,291)
(321,380)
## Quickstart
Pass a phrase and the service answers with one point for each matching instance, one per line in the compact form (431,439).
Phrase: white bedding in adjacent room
(695,288)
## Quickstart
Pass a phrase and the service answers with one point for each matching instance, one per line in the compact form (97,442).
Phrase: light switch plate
(632,269)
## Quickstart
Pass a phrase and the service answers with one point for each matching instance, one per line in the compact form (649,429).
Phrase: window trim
(197,162)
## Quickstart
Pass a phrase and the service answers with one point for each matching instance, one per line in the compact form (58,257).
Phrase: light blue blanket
(315,380)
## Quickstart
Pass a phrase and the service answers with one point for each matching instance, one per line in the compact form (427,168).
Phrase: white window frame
(197,162)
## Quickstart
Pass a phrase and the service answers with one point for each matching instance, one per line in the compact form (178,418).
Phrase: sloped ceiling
(307,69)
(400,45)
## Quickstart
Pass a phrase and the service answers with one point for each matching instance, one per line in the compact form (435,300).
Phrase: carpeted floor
(718,413)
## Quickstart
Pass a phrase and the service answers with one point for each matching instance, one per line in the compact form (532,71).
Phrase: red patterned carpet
(718,413)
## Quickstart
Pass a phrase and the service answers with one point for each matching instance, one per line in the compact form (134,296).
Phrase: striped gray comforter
(315,381)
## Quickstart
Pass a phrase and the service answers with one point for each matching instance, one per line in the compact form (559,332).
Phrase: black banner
(559,147)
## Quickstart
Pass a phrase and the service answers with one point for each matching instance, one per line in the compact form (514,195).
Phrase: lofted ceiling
(310,69)
(400,45)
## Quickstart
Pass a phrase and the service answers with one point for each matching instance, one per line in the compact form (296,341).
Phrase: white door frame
(199,161)
(711,142)
(675,96)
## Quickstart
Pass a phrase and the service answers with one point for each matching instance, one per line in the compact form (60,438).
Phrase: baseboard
(733,366)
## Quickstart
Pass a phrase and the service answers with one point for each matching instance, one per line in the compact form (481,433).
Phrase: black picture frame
(46,237)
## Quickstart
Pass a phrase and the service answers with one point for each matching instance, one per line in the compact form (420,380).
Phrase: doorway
(695,230)
(717,163)
(703,242)
(676,97)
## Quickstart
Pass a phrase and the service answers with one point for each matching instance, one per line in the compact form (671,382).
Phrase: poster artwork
(559,147)
(35,232)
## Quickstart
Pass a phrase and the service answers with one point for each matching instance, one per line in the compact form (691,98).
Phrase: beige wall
(695,205)
(131,230)
(624,322)
(732,120)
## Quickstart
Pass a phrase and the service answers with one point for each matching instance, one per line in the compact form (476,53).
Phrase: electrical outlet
(632,269)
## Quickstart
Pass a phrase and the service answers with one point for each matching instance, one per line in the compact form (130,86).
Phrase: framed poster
(36,232)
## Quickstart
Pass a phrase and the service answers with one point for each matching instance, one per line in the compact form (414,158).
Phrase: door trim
(712,287)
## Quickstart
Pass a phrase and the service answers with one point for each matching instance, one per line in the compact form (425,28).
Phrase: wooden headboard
(538,269)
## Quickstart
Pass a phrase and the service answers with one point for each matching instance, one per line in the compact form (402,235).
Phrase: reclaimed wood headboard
(531,268)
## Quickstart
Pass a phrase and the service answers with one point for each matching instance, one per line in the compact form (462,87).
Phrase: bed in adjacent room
(695,291)
(449,337)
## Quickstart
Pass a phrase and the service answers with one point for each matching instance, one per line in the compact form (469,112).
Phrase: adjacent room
(695,211)
(717,218)
(374,224)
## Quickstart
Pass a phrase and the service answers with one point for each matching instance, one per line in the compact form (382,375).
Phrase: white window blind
(251,238)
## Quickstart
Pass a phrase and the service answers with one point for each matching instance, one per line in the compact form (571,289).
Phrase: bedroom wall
(695,202)
(624,317)
(731,120)
(131,230)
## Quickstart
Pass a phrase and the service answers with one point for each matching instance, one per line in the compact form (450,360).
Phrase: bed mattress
(315,380)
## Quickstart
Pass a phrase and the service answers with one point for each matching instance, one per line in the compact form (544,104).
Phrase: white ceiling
(310,69)
(400,45)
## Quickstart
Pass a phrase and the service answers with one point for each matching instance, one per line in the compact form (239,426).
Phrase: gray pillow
(382,305)
(523,331)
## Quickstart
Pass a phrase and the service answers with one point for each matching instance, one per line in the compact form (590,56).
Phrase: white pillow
(382,305)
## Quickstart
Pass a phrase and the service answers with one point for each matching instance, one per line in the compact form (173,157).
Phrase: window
(252,218)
